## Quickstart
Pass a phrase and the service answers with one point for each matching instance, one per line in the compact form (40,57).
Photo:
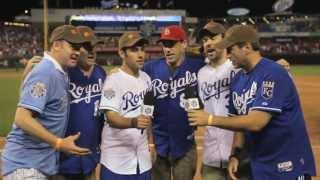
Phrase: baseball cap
(211,28)
(173,33)
(129,39)
(237,34)
(68,33)
(88,35)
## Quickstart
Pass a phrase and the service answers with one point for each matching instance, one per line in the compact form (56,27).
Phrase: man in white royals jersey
(214,80)
(124,151)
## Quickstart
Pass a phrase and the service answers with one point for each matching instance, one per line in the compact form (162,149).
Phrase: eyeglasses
(168,43)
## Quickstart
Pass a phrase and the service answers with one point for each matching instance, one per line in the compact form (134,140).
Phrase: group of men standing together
(68,104)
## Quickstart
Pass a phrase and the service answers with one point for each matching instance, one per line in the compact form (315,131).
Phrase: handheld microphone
(192,98)
(148,105)
(192,101)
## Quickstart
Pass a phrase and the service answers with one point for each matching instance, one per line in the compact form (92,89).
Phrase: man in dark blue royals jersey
(174,140)
(86,82)
(266,107)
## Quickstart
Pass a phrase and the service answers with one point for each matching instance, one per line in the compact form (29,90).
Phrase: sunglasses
(88,47)
(75,46)
(168,43)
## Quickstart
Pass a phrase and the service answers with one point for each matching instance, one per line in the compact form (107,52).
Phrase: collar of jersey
(55,63)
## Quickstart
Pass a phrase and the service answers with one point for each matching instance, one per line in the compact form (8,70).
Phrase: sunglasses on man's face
(168,43)
(88,47)
(75,46)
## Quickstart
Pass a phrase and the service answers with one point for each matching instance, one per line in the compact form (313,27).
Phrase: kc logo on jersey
(267,89)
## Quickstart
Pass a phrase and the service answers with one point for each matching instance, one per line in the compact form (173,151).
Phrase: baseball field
(307,79)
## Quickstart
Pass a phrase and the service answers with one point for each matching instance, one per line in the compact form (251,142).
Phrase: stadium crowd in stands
(18,43)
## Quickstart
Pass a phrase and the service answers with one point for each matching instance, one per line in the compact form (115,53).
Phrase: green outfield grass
(10,81)
(305,70)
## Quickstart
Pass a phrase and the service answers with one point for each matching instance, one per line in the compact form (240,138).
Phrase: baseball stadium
(289,31)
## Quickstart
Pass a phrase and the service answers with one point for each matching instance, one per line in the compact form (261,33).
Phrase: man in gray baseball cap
(129,39)
(68,33)
(260,94)
(238,34)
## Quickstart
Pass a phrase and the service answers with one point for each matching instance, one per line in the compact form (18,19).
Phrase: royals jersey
(172,134)
(214,92)
(85,93)
(281,150)
(122,150)
(44,91)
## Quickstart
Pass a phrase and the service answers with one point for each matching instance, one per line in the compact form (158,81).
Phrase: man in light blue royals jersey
(174,138)
(85,87)
(41,116)
(266,106)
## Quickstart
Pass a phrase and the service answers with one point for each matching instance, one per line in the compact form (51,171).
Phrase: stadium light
(251,20)
(266,20)
(238,11)
(127,18)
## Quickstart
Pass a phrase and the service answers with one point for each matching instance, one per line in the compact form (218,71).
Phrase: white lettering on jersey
(162,89)
(241,101)
(267,89)
(80,93)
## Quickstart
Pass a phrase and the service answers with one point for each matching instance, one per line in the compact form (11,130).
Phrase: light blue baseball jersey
(44,92)
(281,150)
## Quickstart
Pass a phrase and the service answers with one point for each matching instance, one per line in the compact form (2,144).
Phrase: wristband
(57,145)
(210,120)
(151,146)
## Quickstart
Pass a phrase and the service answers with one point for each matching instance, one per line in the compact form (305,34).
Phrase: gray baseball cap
(238,34)
(89,35)
(129,39)
(211,28)
(68,33)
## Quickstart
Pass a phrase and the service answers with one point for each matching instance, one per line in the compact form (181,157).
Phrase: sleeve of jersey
(35,92)
(110,99)
(271,93)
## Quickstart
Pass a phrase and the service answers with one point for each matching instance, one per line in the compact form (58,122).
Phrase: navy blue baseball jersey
(281,150)
(172,134)
(85,93)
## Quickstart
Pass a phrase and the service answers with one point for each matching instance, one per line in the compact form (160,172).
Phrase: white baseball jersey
(123,149)
(214,92)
